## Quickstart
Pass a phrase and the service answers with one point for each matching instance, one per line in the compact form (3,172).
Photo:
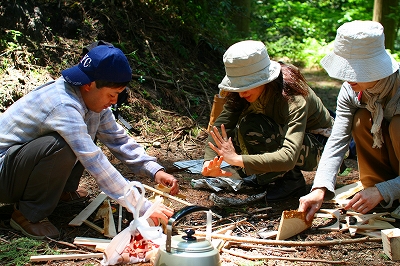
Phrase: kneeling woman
(272,125)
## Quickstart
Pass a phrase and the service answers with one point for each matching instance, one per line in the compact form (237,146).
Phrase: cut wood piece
(347,191)
(292,223)
(90,241)
(267,234)
(379,224)
(362,222)
(391,243)
(105,213)
(334,214)
(109,224)
(101,247)
(219,243)
(97,244)
(83,215)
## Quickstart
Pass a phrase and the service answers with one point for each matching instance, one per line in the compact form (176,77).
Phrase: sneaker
(250,181)
(70,197)
(39,230)
(291,184)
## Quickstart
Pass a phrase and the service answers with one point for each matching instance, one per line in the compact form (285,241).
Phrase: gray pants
(34,175)
(261,134)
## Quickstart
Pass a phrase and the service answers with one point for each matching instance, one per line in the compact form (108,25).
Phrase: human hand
(167,180)
(312,202)
(161,212)
(213,168)
(224,147)
(365,200)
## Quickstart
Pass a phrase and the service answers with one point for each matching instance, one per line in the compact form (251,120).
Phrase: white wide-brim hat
(359,53)
(247,66)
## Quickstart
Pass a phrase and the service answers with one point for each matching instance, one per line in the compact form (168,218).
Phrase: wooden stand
(391,243)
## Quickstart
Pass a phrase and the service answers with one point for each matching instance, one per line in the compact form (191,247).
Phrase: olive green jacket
(296,116)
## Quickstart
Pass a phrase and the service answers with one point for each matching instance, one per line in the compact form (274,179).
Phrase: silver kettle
(186,250)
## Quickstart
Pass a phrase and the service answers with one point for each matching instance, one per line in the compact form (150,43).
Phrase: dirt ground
(251,223)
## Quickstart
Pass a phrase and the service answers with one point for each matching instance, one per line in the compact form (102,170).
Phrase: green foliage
(299,31)
(19,250)
(10,41)
(384,256)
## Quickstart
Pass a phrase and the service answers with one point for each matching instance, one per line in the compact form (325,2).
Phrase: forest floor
(250,223)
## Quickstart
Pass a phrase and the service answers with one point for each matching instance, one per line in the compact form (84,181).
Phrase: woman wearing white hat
(271,124)
(368,107)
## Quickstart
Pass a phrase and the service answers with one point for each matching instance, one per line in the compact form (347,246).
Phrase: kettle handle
(176,217)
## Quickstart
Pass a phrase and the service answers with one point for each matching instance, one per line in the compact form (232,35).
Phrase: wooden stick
(244,245)
(291,243)
(119,218)
(164,194)
(264,257)
(260,210)
(93,226)
(66,257)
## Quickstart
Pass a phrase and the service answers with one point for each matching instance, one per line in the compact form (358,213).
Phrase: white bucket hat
(359,53)
(247,65)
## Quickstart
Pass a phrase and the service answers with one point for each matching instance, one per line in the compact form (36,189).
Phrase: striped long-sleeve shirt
(58,107)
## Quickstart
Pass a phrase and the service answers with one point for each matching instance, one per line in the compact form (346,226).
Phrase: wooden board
(292,223)
(347,191)
(83,215)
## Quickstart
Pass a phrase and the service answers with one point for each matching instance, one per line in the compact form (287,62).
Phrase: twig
(205,92)
(264,257)
(260,210)
(61,242)
(5,241)
(244,245)
(291,243)
(151,52)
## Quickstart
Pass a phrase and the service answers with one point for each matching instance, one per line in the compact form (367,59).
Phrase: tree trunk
(241,16)
(384,12)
